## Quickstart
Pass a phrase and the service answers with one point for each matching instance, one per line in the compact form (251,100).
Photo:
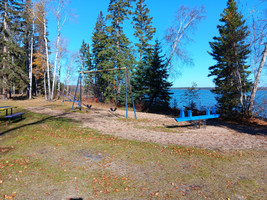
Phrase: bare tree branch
(258,41)
(61,13)
(185,20)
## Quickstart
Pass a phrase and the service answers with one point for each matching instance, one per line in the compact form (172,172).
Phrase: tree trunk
(36,87)
(60,24)
(45,87)
(55,66)
(14,89)
(30,67)
(4,91)
(58,84)
(257,78)
(47,61)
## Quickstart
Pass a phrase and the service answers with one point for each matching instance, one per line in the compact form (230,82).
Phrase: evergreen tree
(143,28)
(230,51)
(191,95)
(85,62)
(157,80)
(12,68)
(100,53)
(144,32)
(117,49)
(141,81)
(28,35)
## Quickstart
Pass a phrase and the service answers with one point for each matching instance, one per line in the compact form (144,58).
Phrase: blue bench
(9,117)
(199,118)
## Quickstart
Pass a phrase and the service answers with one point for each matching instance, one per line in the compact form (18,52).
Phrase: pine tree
(12,69)
(85,63)
(28,41)
(118,49)
(143,28)
(144,33)
(157,80)
(99,53)
(230,51)
(191,95)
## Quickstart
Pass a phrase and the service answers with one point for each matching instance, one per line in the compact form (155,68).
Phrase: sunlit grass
(58,159)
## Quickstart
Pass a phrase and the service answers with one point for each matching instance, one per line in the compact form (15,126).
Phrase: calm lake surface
(207,100)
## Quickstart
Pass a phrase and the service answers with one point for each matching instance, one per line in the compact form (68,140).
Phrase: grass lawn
(42,157)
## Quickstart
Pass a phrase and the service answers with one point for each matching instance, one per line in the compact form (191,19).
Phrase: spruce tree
(144,33)
(231,52)
(100,54)
(118,49)
(12,68)
(158,95)
(28,37)
(143,28)
(85,65)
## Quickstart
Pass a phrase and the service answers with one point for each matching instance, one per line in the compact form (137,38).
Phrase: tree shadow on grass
(34,123)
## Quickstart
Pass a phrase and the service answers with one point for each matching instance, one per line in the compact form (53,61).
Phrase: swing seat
(113,110)
(88,106)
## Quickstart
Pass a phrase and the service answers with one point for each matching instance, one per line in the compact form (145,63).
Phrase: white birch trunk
(45,87)
(55,66)
(31,57)
(58,84)
(257,79)
(47,60)
(59,27)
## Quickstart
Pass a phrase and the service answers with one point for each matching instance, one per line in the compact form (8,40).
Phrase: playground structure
(78,98)
(69,97)
(197,119)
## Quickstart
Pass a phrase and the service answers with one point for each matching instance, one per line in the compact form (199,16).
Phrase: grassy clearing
(43,157)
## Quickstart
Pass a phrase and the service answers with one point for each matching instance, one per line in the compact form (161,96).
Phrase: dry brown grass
(43,157)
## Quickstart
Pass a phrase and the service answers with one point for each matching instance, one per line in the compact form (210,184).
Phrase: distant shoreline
(207,88)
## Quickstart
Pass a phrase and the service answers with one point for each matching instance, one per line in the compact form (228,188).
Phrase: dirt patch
(165,130)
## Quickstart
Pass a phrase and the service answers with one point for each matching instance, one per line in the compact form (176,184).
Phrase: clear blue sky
(163,15)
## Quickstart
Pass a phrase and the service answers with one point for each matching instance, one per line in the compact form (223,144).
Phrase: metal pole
(132,96)
(126,96)
(80,103)
(76,91)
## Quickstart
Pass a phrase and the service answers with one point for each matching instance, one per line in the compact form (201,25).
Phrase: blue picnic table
(11,116)
(6,108)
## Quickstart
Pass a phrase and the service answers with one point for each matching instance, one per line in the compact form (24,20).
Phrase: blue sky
(163,15)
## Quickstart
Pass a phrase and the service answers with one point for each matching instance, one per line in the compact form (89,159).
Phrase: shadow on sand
(250,128)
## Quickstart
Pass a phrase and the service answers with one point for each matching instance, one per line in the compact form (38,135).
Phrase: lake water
(207,100)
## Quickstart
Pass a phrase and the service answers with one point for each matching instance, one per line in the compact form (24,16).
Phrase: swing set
(78,99)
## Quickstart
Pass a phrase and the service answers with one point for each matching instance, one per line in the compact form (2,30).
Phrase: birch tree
(186,19)
(42,14)
(69,70)
(61,17)
(258,53)
(62,53)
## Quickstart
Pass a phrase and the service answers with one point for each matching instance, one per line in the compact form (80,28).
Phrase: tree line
(26,64)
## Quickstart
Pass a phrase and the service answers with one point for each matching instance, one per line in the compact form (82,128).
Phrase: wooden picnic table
(6,108)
